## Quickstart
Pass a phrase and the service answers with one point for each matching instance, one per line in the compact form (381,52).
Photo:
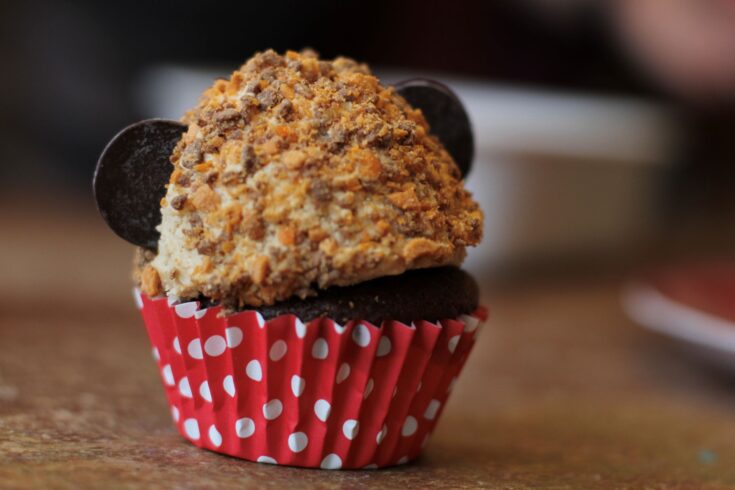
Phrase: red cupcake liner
(316,394)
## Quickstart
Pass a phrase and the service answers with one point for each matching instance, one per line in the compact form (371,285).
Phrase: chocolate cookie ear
(130,179)
(446,116)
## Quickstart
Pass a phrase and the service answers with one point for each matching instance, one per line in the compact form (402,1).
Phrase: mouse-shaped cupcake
(299,239)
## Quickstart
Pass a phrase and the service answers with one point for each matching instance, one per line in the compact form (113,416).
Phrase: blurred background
(604,128)
(605,157)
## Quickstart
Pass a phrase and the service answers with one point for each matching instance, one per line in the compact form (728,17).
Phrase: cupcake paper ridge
(312,394)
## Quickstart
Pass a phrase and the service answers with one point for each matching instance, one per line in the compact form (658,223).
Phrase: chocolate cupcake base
(420,294)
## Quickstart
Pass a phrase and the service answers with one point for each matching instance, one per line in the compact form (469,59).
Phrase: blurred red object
(687,45)
(708,288)
(693,304)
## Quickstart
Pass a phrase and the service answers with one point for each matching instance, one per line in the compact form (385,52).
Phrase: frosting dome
(298,174)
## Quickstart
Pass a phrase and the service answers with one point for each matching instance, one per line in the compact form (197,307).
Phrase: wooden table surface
(562,391)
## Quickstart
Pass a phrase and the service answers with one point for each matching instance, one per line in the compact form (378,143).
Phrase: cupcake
(300,234)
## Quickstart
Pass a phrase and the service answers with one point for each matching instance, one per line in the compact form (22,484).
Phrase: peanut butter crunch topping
(298,174)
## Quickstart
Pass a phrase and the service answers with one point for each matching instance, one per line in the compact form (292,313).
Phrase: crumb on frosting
(297,174)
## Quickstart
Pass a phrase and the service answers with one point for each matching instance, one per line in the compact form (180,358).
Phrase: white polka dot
(402,460)
(350,428)
(266,460)
(259,318)
(300,328)
(233,335)
(244,427)
(195,349)
(361,335)
(186,310)
(451,384)
(470,322)
(320,349)
(343,373)
(215,345)
(297,385)
(384,346)
(138,299)
(322,409)
(272,409)
(229,385)
(185,388)
(368,389)
(453,343)
(175,414)
(204,391)
(371,466)
(409,426)
(177,346)
(381,435)
(199,314)
(331,462)
(171,300)
(168,375)
(191,428)
(431,409)
(278,350)
(156,354)
(338,328)
(297,442)
(254,371)
(214,436)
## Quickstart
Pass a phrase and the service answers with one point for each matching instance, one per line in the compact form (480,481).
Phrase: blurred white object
(561,176)
(709,336)
(556,175)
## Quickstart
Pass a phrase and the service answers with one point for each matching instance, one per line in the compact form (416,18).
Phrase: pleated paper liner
(316,394)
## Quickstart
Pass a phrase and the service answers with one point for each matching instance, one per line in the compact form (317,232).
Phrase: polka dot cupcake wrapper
(316,394)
